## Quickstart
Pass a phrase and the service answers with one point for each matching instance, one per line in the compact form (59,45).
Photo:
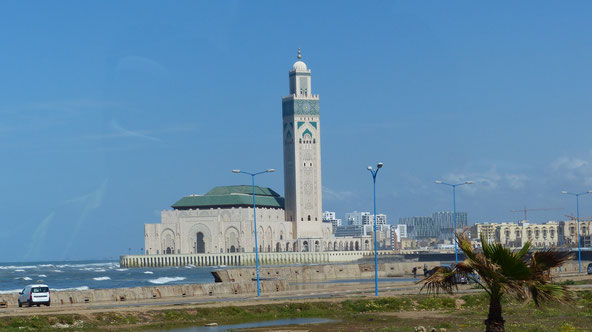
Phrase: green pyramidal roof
(231,196)
(228,190)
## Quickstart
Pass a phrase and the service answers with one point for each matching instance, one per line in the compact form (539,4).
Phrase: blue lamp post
(374,172)
(454,205)
(255,220)
(578,221)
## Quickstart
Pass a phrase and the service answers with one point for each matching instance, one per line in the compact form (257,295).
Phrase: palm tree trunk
(495,321)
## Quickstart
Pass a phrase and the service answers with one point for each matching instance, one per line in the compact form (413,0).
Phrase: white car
(34,294)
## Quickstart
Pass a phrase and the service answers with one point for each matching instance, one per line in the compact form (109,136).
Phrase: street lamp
(454,204)
(578,221)
(255,220)
(374,172)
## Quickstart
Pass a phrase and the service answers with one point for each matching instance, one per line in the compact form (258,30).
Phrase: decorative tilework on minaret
(302,156)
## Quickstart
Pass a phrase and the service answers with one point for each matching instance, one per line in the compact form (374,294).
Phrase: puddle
(269,323)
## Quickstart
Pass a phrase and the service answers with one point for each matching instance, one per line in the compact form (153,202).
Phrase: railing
(242,259)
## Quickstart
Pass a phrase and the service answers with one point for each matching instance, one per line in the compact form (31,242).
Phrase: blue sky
(112,111)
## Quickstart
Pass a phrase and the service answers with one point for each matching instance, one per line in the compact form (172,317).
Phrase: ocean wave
(19,270)
(10,291)
(121,270)
(148,272)
(101,278)
(58,271)
(42,276)
(81,288)
(23,278)
(89,265)
(164,280)
(20,267)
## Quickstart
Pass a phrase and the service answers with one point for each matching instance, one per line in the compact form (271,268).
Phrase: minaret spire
(299,54)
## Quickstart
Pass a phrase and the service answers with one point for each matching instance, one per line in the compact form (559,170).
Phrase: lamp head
(589,191)
(438,182)
(469,182)
(369,168)
(564,192)
(379,165)
(271,170)
(236,171)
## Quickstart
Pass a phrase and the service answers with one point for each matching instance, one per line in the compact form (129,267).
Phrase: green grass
(363,314)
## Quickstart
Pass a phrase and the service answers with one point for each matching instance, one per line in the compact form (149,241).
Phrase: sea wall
(314,273)
(94,296)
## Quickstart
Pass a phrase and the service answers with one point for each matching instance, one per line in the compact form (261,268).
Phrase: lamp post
(578,221)
(374,172)
(454,205)
(255,220)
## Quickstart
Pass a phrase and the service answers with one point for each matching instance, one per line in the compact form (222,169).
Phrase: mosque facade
(221,221)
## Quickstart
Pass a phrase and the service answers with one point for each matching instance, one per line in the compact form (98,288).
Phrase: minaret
(302,158)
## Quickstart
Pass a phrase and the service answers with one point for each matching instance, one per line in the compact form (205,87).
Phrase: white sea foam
(101,278)
(19,270)
(164,280)
(10,291)
(22,278)
(70,289)
(42,276)
(58,271)
(120,269)
(148,272)
(89,265)
(20,267)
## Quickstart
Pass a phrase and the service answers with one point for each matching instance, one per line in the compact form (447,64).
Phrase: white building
(401,231)
(356,218)
(329,216)
(222,220)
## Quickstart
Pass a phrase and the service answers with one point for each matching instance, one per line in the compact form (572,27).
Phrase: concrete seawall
(94,296)
(316,273)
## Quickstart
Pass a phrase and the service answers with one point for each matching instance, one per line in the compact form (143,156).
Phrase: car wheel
(30,303)
(48,303)
(38,305)
(19,303)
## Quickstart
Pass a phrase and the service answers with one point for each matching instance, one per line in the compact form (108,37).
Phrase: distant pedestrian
(414,271)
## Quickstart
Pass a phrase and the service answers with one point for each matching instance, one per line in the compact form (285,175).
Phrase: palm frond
(443,279)
(543,293)
(543,261)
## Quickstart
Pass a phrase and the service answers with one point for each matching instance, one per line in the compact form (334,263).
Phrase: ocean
(83,275)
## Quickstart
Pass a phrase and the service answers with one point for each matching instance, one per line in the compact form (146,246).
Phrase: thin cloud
(120,132)
(334,195)
(39,235)
(489,180)
(91,201)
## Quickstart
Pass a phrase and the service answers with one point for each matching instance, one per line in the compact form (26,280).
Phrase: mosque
(221,221)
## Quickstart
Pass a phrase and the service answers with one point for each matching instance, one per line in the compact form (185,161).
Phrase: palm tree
(503,272)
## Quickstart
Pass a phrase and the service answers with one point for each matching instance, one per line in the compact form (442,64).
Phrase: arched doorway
(200,246)
(169,251)
(305,246)
(232,249)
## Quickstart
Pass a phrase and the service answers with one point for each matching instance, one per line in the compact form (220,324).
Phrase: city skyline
(111,115)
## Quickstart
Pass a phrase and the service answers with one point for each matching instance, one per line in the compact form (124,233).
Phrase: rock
(420,329)
(211,324)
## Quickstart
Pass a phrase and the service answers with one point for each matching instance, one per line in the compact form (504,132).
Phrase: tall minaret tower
(302,158)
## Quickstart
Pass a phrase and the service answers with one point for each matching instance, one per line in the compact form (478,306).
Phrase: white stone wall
(222,231)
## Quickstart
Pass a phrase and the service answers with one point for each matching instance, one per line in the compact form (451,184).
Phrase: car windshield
(40,290)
